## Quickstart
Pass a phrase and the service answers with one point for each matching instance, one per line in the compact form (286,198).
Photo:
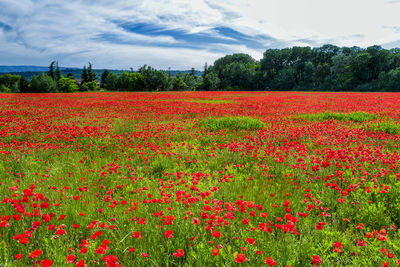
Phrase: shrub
(67,85)
(90,86)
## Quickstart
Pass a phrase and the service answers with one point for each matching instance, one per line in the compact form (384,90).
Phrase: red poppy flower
(240,258)
(35,253)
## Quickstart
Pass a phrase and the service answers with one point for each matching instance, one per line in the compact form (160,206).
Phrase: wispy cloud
(180,33)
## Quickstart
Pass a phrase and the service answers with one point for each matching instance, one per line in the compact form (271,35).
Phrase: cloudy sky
(184,33)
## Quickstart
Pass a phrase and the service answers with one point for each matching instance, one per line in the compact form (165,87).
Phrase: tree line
(326,68)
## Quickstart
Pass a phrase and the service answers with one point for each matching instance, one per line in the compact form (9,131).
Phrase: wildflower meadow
(200,179)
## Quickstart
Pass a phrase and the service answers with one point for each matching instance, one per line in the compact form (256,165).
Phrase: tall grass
(352,116)
(389,127)
(231,123)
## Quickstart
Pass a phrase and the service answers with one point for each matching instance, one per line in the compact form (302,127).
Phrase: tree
(285,80)
(192,82)
(111,82)
(211,82)
(23,85)
(342,72)
(91,75)
(90,86)
(11,82)
(178,83)
(104,78)
(51,72)
(58,72)
(155,80)
(84,75)
(389,81)
(131,82)
(362,68)
(67,85)
(43,84)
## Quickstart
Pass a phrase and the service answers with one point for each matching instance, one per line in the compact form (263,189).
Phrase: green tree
(211,82)
(177,83)
(67,85)
(23,85)
(58,72)
(90,86)
(51,72)
(155,80)
(191,81)
(84,75)
(104,78)
(91,75)
(131,82)
(111,82)
(12,82)
(43,84)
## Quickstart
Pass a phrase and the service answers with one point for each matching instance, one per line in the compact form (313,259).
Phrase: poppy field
(200,179)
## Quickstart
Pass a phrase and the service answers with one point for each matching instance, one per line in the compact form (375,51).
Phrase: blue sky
(183,34)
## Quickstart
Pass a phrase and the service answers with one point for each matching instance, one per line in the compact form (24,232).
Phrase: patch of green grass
(203,101)
(389,127)
(231,123)
(352,116)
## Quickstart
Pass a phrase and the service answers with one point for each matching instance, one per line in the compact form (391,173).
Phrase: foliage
(156,80)
(91,75)
(231,123)
(103,80)
(42,84)
(67,85)
(351,116)
(140,179)
(90,86)
(111,82)
(11,83)
(131,82)
(387,126)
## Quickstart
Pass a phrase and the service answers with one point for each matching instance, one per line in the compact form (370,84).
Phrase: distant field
(200,179)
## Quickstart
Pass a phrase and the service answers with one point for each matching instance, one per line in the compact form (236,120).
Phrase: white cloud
(70,32)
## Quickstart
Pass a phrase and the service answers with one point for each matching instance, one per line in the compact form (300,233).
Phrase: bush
(90,86)
(42,84)
(67,85)
(4,89)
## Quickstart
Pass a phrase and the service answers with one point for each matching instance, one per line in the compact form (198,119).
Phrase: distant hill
(7,69)
(29,71)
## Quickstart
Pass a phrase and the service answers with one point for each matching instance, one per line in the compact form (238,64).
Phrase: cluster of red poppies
(133,179)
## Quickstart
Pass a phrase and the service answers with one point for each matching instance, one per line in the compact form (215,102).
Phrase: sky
(181,34)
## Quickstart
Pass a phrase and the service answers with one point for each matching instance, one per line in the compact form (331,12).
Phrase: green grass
(231,123)
(202,101)
(389,127)
(352,116)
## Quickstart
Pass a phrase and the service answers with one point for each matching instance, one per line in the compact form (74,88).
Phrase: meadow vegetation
(134,179)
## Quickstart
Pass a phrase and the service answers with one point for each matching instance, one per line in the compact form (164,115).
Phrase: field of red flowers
(200,179)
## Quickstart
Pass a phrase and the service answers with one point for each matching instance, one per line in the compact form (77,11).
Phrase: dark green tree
(104,78)
(23,85)
(91,75)
(84,75)
(51,72)
(58,72)
(43,84)
(111,83)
